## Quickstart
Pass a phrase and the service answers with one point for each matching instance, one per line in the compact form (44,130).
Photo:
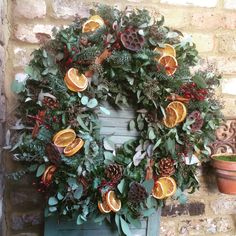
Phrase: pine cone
(166,166)
(53,154)
(132,40)
(114,172)
(137,193)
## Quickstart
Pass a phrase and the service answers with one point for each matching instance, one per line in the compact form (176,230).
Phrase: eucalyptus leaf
(78,192)
(52,201)
(108,144)
(40,170)
(138,157)
(82,124)
(84,100)
(105,110)
(92,103)
(121,186)
(52,209)
(59,196)
(125,227)
(132,125)
(148,185)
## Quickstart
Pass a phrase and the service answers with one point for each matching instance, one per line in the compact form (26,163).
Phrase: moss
(226,158)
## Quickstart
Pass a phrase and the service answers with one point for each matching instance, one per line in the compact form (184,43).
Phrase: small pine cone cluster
(137,193)
(114,172)
(132,40)
(166,166)
(152,117)
(53,154)
(49,102)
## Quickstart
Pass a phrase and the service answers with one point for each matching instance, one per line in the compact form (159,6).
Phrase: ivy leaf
(105,110)
(40,170)
(52,201)
(92,103)
(84,100)
(78,192)
(125,227)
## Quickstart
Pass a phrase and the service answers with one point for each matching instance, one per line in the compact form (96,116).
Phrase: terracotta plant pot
(225,168)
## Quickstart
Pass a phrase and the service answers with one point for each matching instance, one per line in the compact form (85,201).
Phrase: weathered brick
(192,209)
(20,197)
(21,221)
(204,42)
(229,20)
(30,9)
(229,86)
(168,228)
(205,226)
(226,43)
(69,9)
(199,3)
(21,56)
(28,33)
(206,20)
(224,205)
(178,18)
(229,106)
(226,65)
(230,4)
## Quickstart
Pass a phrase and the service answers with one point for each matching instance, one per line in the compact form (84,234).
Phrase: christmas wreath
(124,58)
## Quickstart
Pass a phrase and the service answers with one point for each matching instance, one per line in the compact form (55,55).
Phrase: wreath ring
(125,58)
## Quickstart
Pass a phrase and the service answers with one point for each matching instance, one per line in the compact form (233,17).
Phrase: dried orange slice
(112,201)
(167,50)
(171,118)
(97,18)
(75,81)
(169,185)
(158,191)
(48,174)
(103,207)
(180,109)
(92,24)
(169,63)
(73,147)
(64,137)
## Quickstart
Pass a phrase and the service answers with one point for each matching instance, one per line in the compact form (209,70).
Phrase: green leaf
(105,110)
(108,156)
(148,185)
(132,125)
(157,144)
(52,209)
(17,87)
(151,134)
(60,196)
(82,124)
(78,192)
(84,100)
(121,186)
(79,220)
(125,227)
(40,170)
(52,201)
(117,221)
(108,144)
(92,103)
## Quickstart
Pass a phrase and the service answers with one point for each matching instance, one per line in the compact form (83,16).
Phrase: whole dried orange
(93,23)
(180,108)
(167,50)
(169,185)
(103,207)
(169,63)
(158,191)
(64,137)
(73,147)
(74,81)
(171,118)
(112,201)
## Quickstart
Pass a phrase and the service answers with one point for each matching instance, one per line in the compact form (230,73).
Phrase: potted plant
(225,168)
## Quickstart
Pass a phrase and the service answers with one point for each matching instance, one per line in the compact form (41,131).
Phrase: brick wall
(212,24)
